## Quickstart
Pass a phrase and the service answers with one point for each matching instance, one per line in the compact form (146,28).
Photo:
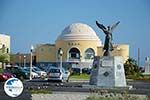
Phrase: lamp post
(60,52)
(138,57)
(31,51)
(20,60)
(80,65)
(24,60)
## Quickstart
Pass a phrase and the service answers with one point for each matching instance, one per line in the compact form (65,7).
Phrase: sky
(31,22)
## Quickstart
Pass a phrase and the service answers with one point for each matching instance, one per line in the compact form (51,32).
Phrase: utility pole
(60,52)
(138,57)
(31,54)
(24,61)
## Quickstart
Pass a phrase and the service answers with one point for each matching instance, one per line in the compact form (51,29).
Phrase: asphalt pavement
(139,87)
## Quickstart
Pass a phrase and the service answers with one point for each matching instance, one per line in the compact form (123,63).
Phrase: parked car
(86,70)
(33,74)
(58,74)
(47,68)
(18,72)
(76,70)
(5,76)
(39,71)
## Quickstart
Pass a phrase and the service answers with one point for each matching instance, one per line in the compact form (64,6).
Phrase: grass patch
(41,91)
(139,77)
(79,77)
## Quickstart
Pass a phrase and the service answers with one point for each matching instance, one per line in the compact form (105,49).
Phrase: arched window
(89,53)
(74,53)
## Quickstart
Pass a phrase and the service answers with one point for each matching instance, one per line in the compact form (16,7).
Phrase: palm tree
(131,67)
(3,58)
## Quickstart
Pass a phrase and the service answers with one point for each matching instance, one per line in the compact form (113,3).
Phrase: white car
(58,74)
(47,68)
(39,71)
(33,74)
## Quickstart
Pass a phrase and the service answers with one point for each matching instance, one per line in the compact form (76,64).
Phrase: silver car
(58,74)
(39,71)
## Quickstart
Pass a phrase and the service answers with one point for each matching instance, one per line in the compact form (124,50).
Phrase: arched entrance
(74,53)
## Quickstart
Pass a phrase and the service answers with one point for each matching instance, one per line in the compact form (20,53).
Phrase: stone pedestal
(108,72)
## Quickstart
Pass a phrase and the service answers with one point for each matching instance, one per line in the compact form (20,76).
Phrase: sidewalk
(78,80)
(79,96)
(61,96)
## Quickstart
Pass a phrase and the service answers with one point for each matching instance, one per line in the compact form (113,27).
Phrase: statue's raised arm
(101,26)
(114,26)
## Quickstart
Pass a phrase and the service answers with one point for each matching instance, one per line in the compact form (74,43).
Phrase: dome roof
(78,31)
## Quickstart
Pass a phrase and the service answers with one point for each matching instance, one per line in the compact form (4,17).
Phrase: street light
(31,51)
(24,60)
(20,60)
(60,52)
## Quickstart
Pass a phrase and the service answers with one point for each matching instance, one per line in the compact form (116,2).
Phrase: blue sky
(41,21)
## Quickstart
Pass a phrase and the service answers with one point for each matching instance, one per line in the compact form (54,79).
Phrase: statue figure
(108,47)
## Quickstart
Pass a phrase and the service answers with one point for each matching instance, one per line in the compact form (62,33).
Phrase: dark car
(18,72)
(75,70)
(86,70)
(5,76)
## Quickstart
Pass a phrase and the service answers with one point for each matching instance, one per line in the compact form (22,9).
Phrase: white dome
(78,31)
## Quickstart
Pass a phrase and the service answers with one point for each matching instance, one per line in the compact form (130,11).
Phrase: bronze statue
(108,47)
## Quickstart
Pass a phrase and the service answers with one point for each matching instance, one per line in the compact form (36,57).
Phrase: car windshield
(21,69)
(54,70)
(26,69)
(36,69)
(63,70)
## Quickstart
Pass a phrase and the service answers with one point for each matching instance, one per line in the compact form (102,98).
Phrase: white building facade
(147,65)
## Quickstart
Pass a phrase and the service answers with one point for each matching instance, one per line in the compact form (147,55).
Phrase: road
(139,87)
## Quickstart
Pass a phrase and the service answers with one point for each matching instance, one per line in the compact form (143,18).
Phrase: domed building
(79,44)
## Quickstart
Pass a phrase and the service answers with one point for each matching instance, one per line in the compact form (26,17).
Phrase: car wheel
(67,80)
(21,78)
(62,80)
(32,76)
